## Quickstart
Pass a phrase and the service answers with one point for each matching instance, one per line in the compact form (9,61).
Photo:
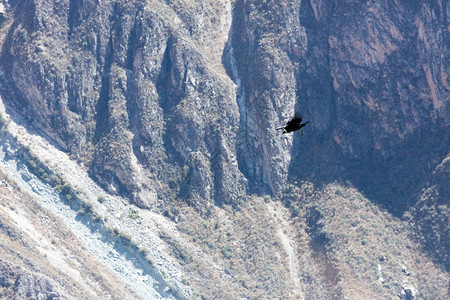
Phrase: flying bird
(294,124)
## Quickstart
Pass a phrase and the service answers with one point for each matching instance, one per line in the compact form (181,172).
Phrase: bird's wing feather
(297,119)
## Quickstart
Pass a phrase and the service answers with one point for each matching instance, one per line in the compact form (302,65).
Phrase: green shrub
(66,189)
(32,164)
(133,215)
(69,197)
(295,210)
(226,251)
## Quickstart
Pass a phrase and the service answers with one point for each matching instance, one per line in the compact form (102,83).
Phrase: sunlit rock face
(134,90)
(174,105)
(165,100)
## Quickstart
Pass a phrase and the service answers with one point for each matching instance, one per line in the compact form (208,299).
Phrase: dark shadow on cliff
(394,181)
(391,177)
(16,103)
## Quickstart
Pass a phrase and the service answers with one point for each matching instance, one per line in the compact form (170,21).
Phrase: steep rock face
(144,93)
(179,99)
(431,214)
(35,286)
(20,284)
(176,99)
(371,77)
(131,90)
(265,37)
(374,81)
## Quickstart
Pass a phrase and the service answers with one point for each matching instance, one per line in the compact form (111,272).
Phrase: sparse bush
(133,215)
(97,218)
(295,210)
(101,199)
(23,35)
(88,208)
(124,238)
(168,214)
(2,120)
(185,282)
(210,244)
(291,194)
(134,244)
(185,257)
(54,180)
(113,231)
(66,189)
(226,251)
(267,198)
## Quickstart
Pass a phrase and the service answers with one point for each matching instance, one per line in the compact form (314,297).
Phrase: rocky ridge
(150,100)
(173,105)
(122,261)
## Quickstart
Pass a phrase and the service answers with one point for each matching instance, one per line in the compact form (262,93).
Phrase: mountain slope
(152,126)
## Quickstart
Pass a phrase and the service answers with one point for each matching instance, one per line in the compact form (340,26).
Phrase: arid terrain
(139,156)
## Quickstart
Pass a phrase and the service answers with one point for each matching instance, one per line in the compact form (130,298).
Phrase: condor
(294,124)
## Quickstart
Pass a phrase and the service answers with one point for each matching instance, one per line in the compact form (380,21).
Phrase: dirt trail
(287,236)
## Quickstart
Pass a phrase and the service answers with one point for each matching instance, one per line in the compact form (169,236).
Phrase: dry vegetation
(343,245)
(243,245)
(371,253)
(36,243)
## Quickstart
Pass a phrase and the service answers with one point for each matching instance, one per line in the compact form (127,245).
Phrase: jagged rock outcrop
(266,39)
(131,90)
(16,283)
(36,286)
(377,91)
(136,89)
(170,100)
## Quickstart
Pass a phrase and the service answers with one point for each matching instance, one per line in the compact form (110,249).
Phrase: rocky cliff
(174,103)
(138,92)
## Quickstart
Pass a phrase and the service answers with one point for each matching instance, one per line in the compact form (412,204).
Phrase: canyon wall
(170,103)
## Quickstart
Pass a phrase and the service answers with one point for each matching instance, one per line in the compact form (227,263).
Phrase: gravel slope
(145,279)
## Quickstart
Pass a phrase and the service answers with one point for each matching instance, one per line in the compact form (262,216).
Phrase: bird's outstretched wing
(297,119)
